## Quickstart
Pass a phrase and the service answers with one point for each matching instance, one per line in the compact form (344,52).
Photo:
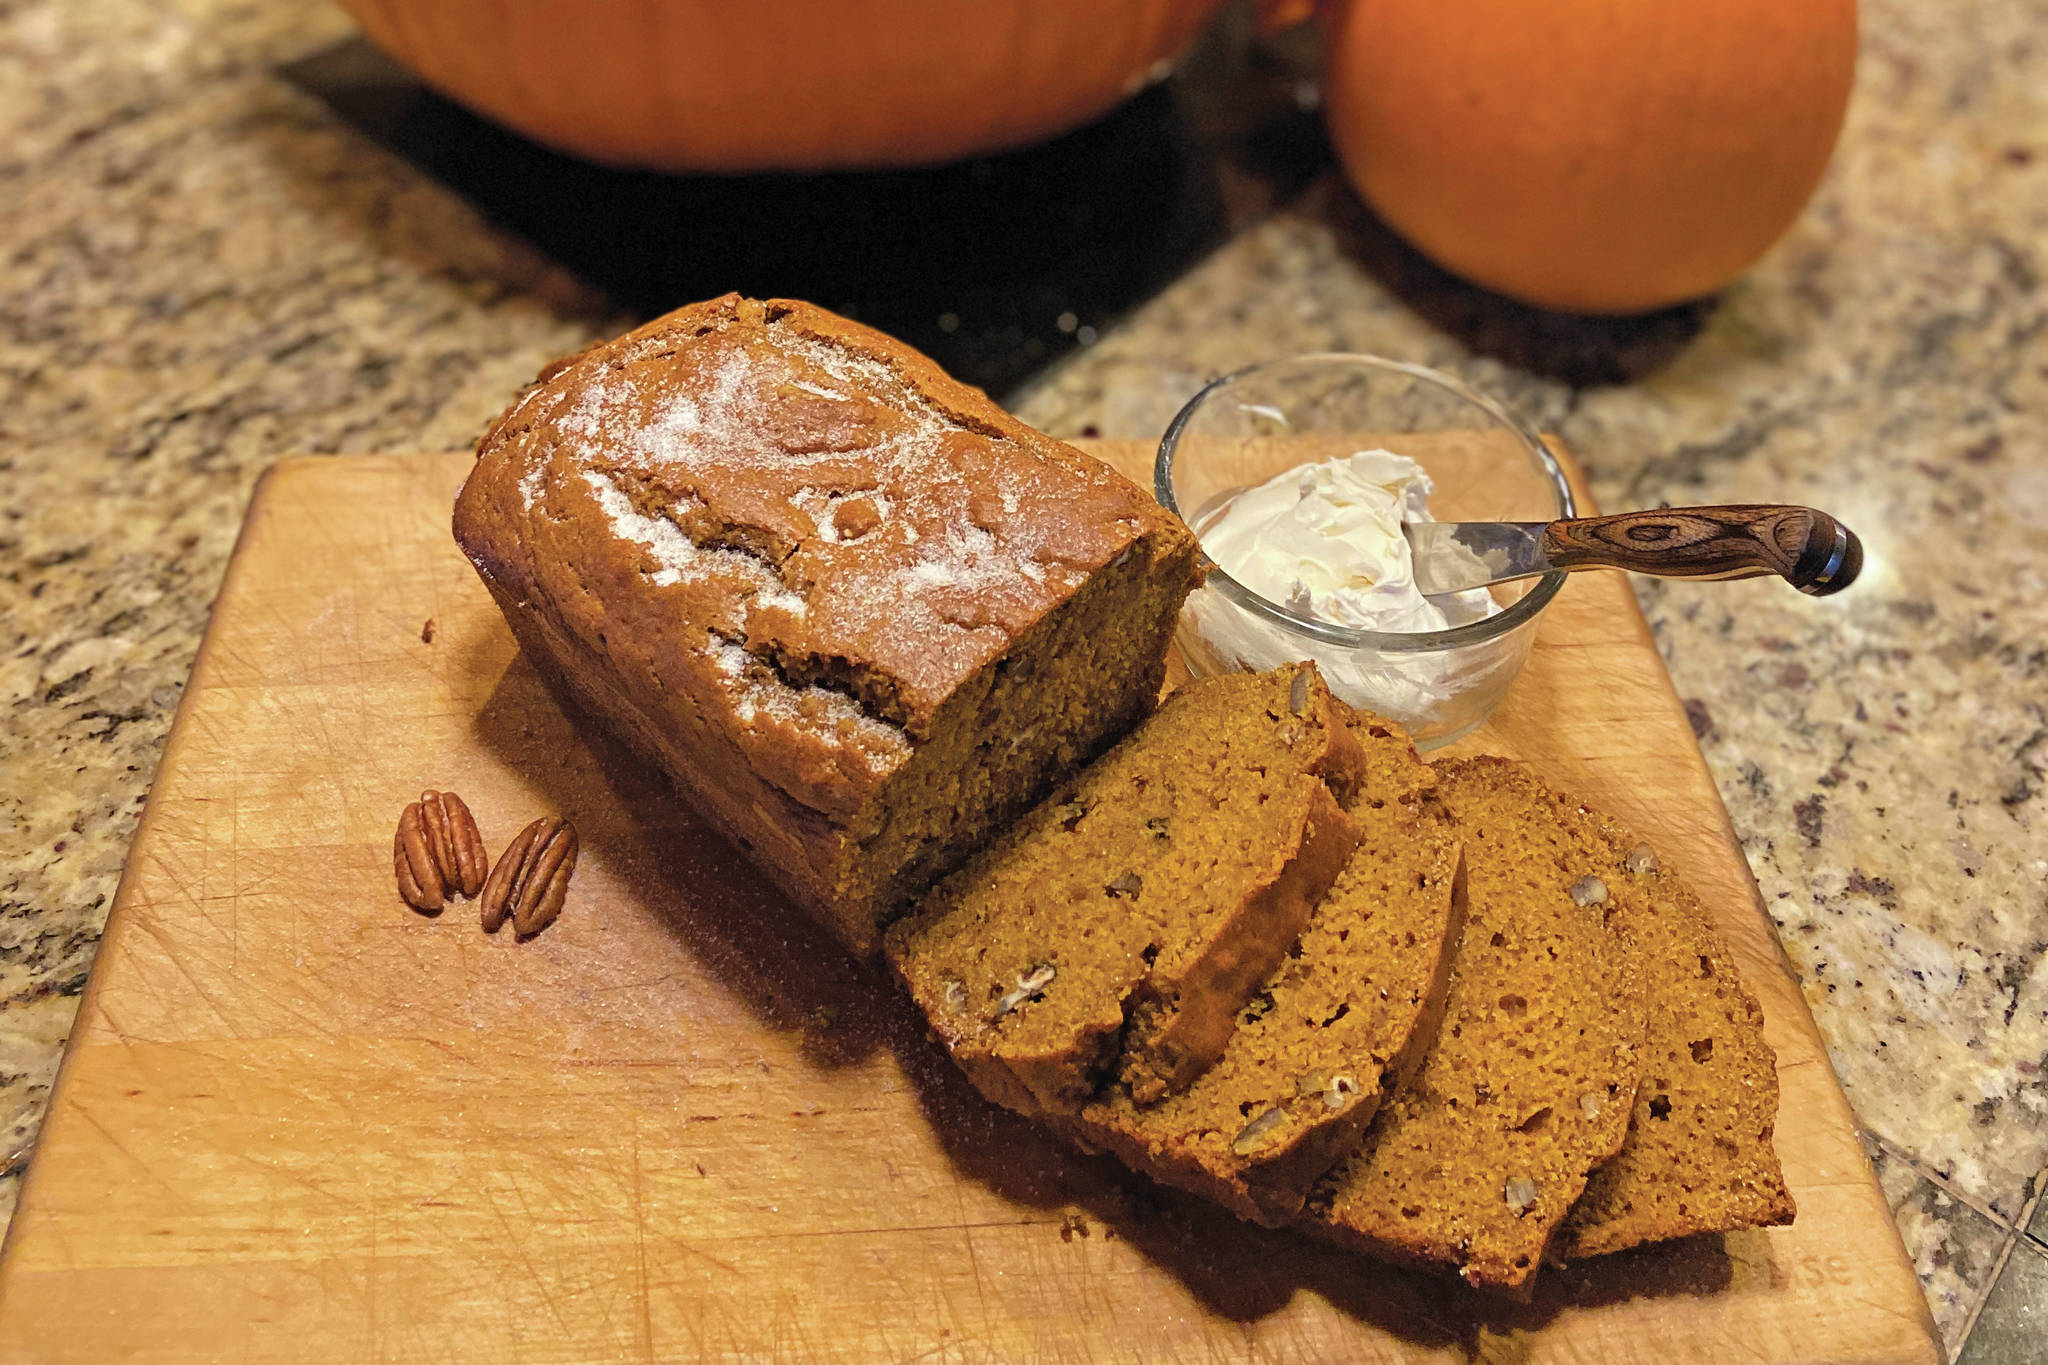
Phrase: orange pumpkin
(737,85)
(1600,156)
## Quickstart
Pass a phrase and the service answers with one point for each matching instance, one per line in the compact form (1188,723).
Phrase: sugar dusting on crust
(724,428)
(753,688)
(682,559)
(824,506)
(530,483)
(910,554)
(754,692)
(781,599)
(807,387)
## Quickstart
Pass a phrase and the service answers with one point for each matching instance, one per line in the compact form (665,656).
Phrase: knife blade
(1451,556)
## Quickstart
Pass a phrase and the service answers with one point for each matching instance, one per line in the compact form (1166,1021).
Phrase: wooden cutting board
(298,1121)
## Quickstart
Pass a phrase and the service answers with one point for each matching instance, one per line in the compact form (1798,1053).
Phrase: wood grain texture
(300,1121)
(1807,548)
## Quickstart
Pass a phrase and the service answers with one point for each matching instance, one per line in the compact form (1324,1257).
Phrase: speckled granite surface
(202,270)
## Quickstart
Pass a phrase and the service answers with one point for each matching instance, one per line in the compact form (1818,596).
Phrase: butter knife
(1808,549)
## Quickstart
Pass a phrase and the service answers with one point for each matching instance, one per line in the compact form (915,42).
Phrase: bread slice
(859,614)
(1698,1156)
(1529,1085)
(1138,908)
(1341,1023)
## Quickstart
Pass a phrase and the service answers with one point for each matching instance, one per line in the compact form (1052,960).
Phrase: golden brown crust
(770,546)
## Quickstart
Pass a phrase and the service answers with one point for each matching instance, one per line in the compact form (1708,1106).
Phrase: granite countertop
(205,268)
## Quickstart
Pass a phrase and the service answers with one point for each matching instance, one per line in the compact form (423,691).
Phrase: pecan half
(459,848)
(437,852)
(496,901)
(532,878)
(412,858)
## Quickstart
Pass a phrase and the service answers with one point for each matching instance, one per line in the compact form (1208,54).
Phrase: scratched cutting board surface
(298,1121)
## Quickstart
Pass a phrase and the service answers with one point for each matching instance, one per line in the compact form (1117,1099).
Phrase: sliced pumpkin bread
(1698,1156)
(1341,1024)
(1128,918)
(1529,1085)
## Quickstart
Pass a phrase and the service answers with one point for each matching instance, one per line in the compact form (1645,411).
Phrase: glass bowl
(1486,464)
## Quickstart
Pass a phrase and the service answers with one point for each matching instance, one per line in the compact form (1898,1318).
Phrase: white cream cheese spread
(1324,541)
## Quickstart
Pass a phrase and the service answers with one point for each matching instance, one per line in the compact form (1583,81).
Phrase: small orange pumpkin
(740,85)
(1600,156)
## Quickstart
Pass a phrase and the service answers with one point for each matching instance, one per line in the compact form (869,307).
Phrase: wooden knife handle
(1808,549)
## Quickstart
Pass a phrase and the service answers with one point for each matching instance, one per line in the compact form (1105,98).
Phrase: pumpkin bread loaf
(1136,910)
(861,615)
(1698,1156)
(1530,1082)
(1338,1026)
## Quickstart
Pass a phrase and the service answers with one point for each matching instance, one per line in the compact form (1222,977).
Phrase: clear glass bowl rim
(1353,637)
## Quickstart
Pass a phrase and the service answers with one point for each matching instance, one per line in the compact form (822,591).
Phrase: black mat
(994,266)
